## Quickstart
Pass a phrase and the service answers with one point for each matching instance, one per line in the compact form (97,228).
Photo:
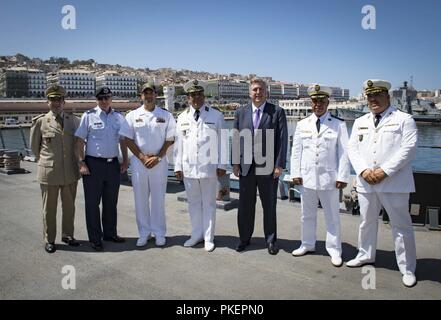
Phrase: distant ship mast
(406,98)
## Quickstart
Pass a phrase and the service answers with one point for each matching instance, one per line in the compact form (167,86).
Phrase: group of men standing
(381,147)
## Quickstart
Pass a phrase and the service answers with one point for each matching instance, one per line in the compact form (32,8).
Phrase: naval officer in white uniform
(320,166)
(198,162)
(381,148)
(149,132)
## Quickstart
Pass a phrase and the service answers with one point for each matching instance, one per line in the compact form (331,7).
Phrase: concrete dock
(124,271)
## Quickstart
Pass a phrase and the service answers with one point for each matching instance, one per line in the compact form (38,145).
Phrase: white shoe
(409,279)
(142,241)
(192,242)
(160,241)
(355,263)
(301,251)
(336,261)
(209,246)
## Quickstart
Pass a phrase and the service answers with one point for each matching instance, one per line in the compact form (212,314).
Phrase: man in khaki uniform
(52,142)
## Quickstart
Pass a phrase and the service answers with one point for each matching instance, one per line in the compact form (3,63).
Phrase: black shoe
(242,245)
(50,247)
(116,239)
(98,246)
(272,248)
(70,241)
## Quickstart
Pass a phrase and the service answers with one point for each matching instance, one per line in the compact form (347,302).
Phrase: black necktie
(377,120)
(196,115)
(317,124)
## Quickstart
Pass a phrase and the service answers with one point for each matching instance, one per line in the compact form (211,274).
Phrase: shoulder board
(215,108)
(207,109)
(335,117)
(37,117)
(91,111)
(187,110)
(165,109)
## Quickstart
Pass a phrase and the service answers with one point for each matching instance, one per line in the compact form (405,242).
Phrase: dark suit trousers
(247,205)
(102,184)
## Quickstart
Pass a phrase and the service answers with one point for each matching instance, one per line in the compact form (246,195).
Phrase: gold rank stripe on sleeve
(361,128)
(391,125)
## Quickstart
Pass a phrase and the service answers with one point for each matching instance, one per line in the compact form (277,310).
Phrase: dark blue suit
(272,118)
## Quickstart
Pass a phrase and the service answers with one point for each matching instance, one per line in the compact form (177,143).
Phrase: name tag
(185,125)
(160,120)
(98,125)
(139,120)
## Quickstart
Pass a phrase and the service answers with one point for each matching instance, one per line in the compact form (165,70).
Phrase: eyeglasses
(104,98)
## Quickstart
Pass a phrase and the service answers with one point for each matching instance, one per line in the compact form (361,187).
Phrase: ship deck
(124,271)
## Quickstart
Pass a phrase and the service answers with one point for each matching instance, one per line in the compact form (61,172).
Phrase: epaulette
(337,117)
(165,109)
(206,108)
(37,117)
(215,108)
(91,111)
(187,110)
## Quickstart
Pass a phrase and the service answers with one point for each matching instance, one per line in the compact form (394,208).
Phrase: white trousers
(329,200)
(149,186)
(201,197)
(397,207)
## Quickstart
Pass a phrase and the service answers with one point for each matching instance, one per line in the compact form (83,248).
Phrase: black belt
(103,159)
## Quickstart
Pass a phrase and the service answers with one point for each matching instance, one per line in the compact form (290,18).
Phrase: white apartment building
(227,89)
(275,90)
(123,86)
(289,91)
(339,94)
(302,90)
(36,83)
(78,83)
(20,82)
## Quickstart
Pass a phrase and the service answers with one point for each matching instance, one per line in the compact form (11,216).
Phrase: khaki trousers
(49,195)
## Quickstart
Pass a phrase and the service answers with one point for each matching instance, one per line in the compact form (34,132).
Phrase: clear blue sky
(296,41)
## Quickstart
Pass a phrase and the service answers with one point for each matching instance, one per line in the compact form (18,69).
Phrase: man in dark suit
(259,157)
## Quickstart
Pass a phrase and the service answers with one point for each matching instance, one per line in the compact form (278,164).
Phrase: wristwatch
(81,161)
(159,158)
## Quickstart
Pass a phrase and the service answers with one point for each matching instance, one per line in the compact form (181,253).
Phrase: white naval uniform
(198,155)
(391,146)
(149,131)
(320,159)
